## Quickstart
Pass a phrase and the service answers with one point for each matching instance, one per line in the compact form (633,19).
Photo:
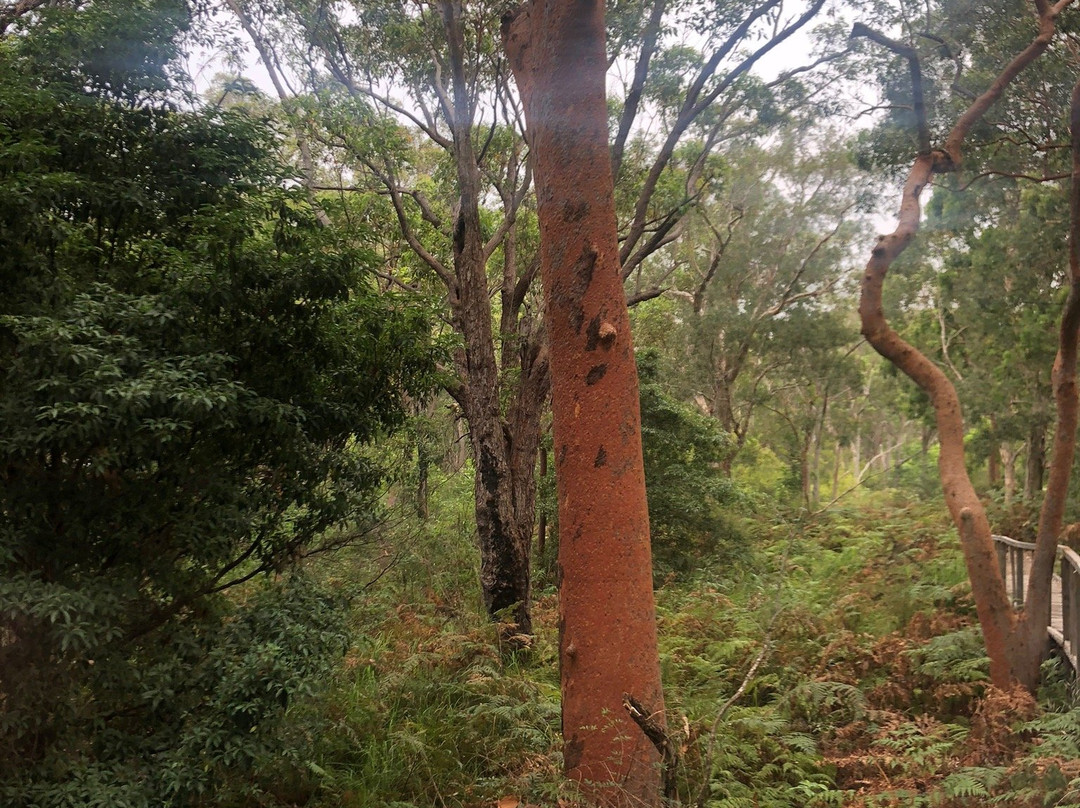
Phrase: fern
(824,703)
(958,657)
(973,782)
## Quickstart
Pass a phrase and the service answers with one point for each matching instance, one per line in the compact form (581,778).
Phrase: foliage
(689,495)
(189,364)
(424,709)
(198,380)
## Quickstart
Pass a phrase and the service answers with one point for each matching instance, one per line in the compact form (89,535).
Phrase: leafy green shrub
(690,494)
(430,713)
(188,364)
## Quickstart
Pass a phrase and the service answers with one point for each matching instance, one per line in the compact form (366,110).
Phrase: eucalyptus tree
(778,236)
(189,368)
(815,373)
(608,657)
(1018,109)
(412,100)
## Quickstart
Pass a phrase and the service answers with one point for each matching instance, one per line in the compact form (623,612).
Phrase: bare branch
(273,69)
(1008,175)
(722,242)
(787,297)
(922,130)
(646,294)
(649,39)
(697,100)
(658,736)
(387,179)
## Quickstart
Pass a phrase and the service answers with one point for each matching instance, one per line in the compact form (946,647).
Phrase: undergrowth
(870,686)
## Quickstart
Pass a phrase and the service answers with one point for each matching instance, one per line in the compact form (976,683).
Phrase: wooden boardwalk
(1015,559)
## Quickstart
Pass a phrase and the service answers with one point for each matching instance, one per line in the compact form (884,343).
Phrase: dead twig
(657,734)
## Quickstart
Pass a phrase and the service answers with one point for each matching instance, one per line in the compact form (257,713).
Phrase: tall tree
(776,237)
(188,365)
(607,622)
(423,79)
(1015,643)
(413,106)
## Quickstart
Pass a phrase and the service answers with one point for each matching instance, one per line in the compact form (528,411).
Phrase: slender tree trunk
(458,454)
(819,432)
(856,455)
(836,472)
(1030,642)
(541,528)
(607,642)
(993,465)
(1008,471)
(504,448)
(423,464)
(926,439)
(804,469)
(1036,462)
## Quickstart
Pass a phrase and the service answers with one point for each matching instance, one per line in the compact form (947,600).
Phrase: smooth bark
(1011,642)
(1030,643)
(607,645)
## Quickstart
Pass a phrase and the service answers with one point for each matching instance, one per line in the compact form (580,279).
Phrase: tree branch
(918,104)
(649,39)
(270,62)
(657,735)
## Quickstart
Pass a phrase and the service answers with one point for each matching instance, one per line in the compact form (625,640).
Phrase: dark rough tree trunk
(607,623)
(1015,644)
(504,539)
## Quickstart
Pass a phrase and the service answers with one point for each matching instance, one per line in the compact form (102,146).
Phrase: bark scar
(595,374)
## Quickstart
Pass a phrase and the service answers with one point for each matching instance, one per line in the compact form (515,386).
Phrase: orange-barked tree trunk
(607,616)
(1015,644)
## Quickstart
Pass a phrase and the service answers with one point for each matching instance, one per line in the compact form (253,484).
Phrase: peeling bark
(607,644)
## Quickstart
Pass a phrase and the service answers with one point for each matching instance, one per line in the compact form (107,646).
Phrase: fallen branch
(655,732)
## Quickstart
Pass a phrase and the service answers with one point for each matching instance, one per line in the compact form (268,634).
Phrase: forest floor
(870,687)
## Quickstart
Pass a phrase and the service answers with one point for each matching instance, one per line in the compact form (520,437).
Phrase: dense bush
(187,366)
(690,494)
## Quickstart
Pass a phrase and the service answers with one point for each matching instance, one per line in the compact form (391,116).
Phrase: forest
(539,403)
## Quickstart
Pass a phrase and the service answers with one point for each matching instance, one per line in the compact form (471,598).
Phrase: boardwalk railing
(1063,621)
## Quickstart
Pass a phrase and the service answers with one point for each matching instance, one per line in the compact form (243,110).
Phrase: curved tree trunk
(607,618)
(1011,644)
